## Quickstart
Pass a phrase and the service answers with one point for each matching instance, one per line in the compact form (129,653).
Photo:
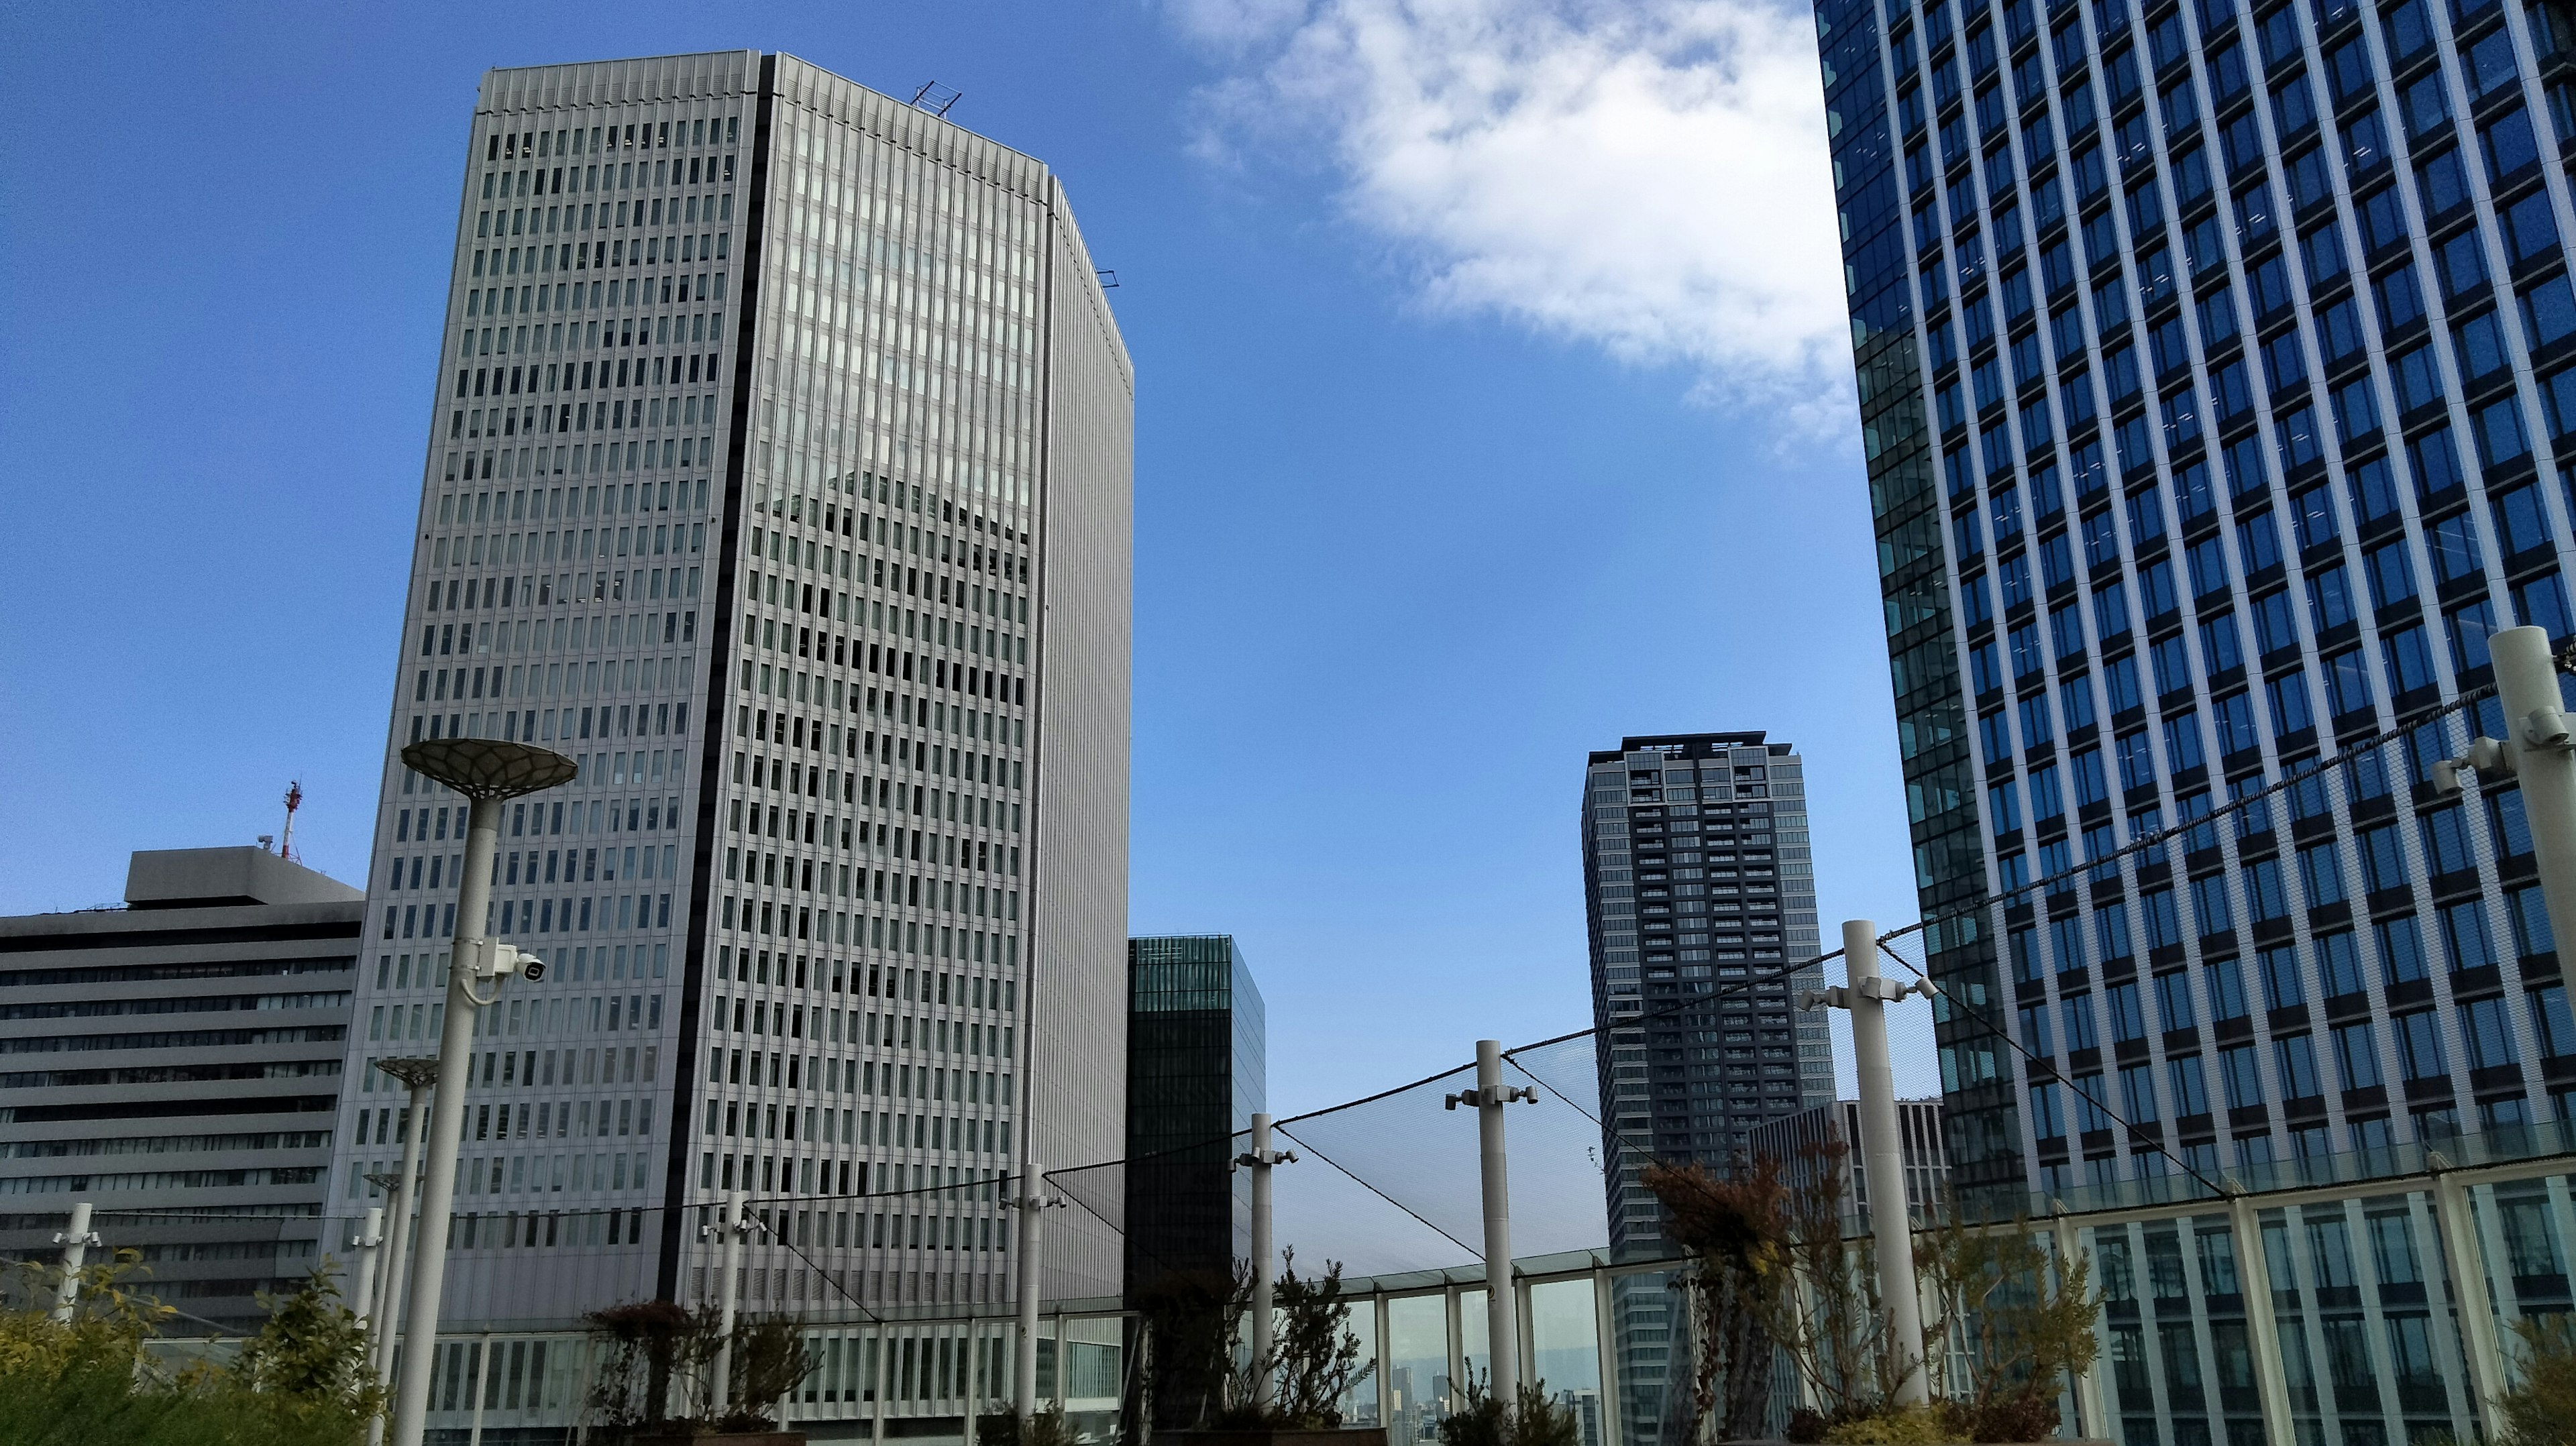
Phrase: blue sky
(1493,404)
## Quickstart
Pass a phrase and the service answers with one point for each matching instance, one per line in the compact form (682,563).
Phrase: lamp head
(488,767)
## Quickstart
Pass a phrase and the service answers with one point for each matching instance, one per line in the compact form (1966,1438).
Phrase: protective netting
(2304,975)
(2189,998)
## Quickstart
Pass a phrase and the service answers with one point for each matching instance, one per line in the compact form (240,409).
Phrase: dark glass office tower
(2215,392)
(1195,1077)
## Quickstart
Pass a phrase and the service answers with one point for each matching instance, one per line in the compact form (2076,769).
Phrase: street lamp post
(488,772)
(417,1075)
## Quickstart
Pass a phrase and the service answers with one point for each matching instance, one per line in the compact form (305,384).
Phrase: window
(2120,684)
(2401,949)
(2348,683)
(2294,1059)
(2330,600)
(2075,1012)
(2383,861)
(2356,1052)
(2173,1001)
(2288,697)
(2446,840)
(2374,491)
(2138,1093)
(2224,981)
(2548,312)
(2321,874)
(2531,934)
(2282,986)
(2454,545)
(2487,1031)
(2401,299)
(2391,574)
(2479,346)
(2183,741)
(2466,938)
(2339,964)
(2209,905)
(2313,515)
(2241,1079)
(2419,1045)
(2551,1021)
(2172,663)
(2409,656)
(2190,1092)
(2522,523)
(2075,697)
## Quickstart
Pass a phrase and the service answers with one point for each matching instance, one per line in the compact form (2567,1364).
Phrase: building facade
(1196,1075)
(1700,897)
(2209,363)
(2213,383)
(778,473)
(181,1057)
(1828,1136)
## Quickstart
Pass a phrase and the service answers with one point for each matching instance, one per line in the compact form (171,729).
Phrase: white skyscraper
(779,473)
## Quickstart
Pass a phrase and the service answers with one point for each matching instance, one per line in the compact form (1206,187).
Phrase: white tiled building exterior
(779,473)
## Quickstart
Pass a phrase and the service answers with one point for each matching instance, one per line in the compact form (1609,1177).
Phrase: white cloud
(1649,177)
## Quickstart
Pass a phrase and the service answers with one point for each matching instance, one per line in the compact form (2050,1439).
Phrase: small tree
(770,1359)
(1737,1229)
(1530,1419)
(2540,1410)
(1314,1357)
(1776,1267)
(2020,1316)
(312,1348)
(648,1345)
(1317,1355)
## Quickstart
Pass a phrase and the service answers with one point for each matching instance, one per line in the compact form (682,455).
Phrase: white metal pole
(447,1128)
(1502,1327)
(398,1246)
(1883,1157)
(371,1237)
(2527,689)
(728,1291)
(75,1243)
(1024,1350)
(406,1185)
(1265,1268)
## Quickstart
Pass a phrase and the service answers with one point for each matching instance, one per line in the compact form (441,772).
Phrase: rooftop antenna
(934,98)
(294,801)
(1108,278)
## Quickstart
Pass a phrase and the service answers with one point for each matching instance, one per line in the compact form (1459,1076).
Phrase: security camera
(532,970)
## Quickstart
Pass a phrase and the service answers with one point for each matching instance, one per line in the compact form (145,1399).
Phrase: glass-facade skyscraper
(778,471)
(1197,1072)
(2215,394)
(2212,365)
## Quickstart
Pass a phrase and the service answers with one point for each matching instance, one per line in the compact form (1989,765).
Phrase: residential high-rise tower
(779,473)
(1701,896)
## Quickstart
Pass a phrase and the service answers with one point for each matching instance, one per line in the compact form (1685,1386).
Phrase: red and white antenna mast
(294,801)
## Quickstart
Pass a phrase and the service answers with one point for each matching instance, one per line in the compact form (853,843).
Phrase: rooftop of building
(159,882)
(1691,745)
